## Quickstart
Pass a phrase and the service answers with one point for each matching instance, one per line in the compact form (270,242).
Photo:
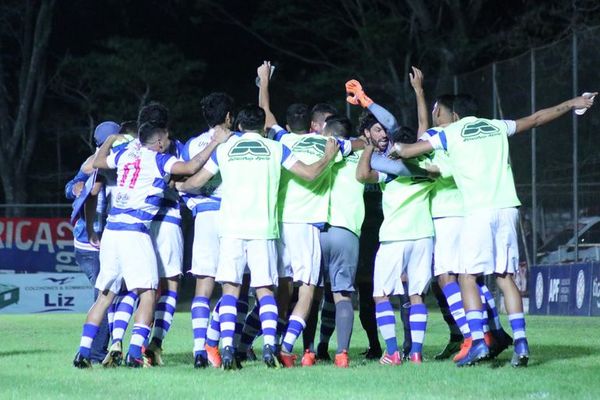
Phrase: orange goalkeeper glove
(356,94)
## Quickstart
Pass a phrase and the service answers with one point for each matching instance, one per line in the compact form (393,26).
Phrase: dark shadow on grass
(23,352)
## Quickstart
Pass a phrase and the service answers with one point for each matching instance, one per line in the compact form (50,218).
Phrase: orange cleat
(214,357)
(288,360)
(308,359)
(394,359)
(342,360)
(464,349)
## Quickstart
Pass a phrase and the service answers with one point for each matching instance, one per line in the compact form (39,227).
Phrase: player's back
(346,204)
(139,186)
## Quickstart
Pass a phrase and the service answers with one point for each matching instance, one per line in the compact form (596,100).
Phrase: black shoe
(270,357)
(372,353)
(133,362)
(241,356)
(250,356)
(502,341)
(322,353)
(228,359)
(452,347)
(81,362)
(200,361)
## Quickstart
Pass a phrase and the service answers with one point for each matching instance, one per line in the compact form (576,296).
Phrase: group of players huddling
(278,212)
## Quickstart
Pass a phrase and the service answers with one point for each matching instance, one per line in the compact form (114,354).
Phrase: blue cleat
(477,353)
(270,357)
(520,356)
(228,359)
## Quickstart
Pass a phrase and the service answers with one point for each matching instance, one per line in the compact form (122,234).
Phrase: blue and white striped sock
(327,320)
(386,321)
(213,333)
(163,316)
(474,319)
(517,323)
(139,335)
(200,314)
(227,317)
(112,309)
(484,314)
(455,304)
(252,328)
(242,312)
(418,325)
(268,319)
(123,314)
(87,337)
(491,308)
(295,327)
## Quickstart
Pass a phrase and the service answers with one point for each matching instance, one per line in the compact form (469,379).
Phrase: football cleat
(309,358)
(478,352)
(213,355)
(228,360)
(520,356)
(250,356)
(270,357)
(391,359)
(322,353)
(464,349)
(200,361)
(342,360)
(81,362)
(489,339)
(372,353)
(114,358)
(453,346)
(133,362)
(288,360)
(154,354)
(416,358)
(502,341)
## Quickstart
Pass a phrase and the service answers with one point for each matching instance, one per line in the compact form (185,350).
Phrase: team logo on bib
(479,130)
(249,148)
(314,145)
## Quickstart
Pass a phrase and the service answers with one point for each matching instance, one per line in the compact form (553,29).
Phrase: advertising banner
(45,293)
(559,289)
(37,245)
(595,290)
(538,290)
(581,278)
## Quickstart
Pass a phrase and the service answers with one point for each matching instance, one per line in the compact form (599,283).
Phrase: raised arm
(310,172)
(357,96)
(192,166)
(104,151)
(416,81)
(264,102)
(546,115)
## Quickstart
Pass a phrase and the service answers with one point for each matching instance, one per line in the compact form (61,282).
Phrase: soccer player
(217,110)
(488,242)
(250,168)
(126,252)
(405,236)
(340,237)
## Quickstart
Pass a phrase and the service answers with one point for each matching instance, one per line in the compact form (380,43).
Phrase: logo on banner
(580,289)
(539,290)
(596,291)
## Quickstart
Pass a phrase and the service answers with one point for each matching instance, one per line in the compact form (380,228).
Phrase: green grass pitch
(36,352)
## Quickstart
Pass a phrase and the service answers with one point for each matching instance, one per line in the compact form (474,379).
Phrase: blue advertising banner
(538,290)
(595,290)
(37,245)
(559,289)
(581,278)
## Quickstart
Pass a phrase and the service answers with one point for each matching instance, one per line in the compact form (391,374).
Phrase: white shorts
(446,245)
(205,251)
(299,253)
(128,256)
(168,245)
(259,255)
(488,242)
(395,258)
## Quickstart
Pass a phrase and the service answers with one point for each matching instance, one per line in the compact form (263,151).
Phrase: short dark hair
(464,105)
(215,107)
(128,128)
(404,135)
(250,118)
(366,121)
(147,130)
(298,117)
(338,126)
(319,111)
(155,113)
(446,101)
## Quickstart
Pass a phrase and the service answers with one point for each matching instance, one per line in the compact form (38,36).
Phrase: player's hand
(394,153)
(264,71)
(356,95)
(416,79)
(434,171)
(77,188)
(221,134)
(584,101)
(94,239)
(179,186)
(331,148)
